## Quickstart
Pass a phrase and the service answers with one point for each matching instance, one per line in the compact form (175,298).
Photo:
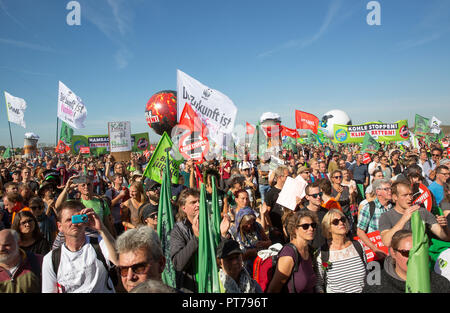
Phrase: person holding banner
(393,275)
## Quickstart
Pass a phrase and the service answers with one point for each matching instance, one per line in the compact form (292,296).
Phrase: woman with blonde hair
(130,208)
(341,262)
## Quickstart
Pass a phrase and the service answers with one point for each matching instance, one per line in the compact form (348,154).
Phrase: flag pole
(57,124)
(10,136)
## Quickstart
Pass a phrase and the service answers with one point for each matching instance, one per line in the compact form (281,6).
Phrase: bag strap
(371,209)
(98,251)
(56,258)
(359,249)
(296,265)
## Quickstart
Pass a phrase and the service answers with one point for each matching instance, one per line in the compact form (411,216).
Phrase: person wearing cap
(233,277)
(149,215)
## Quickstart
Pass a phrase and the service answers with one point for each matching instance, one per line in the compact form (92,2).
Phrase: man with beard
(19,272)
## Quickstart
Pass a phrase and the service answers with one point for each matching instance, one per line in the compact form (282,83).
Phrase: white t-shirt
(78,272)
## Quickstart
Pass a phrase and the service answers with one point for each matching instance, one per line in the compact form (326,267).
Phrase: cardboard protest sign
(375,237)
(292,189)
(381,132)
(119,136)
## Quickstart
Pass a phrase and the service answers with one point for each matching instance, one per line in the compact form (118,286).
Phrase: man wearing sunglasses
(140,256)
(430,165)
(393,275)
(313,195)
(400,216)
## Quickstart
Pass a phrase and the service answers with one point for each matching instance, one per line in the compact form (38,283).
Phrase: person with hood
(250,235)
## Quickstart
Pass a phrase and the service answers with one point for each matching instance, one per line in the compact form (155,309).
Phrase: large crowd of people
(74,224)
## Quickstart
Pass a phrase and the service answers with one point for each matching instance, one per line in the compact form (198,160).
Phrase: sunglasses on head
(306,226)
(139,268)
(316,195)
(404,253)
(336,221)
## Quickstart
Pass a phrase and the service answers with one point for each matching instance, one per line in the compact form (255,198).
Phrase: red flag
(190,120)
(199,178)
(250,129)
(62,147)
(289,132)
(305,120)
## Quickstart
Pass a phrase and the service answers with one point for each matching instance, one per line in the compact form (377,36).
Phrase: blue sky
(274,56)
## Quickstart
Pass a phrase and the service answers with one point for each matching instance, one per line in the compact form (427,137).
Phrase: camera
(82,218)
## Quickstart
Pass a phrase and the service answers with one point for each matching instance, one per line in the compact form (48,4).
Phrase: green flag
(207,272)
(7,153)
(66,133)
(215,212)
(158,162)
(421,125)
(369,145)
(165,225)
(258,143)
(418,275)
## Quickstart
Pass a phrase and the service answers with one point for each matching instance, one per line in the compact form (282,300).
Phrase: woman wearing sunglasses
(393,275)
(341,261)
(295,272)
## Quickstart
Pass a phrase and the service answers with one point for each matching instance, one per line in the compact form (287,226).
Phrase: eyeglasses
(316,195)
(139,268)
(445,174)
(306,226)
(385,189)
(337,177)
(404,253)
(438,155)
(33,208)
(30,221)
(336,221)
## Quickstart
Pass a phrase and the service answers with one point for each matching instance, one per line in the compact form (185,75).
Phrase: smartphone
(77,219)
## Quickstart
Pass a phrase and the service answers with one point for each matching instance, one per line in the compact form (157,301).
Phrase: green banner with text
(381,132)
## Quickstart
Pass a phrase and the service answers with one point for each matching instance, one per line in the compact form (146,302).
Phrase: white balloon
(331,118)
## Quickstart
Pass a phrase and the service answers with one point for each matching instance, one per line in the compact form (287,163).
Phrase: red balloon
(161,111)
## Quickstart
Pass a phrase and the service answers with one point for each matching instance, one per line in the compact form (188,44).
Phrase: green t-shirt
(96,205)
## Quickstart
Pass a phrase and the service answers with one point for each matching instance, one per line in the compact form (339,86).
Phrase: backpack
(264,269)
(112,273)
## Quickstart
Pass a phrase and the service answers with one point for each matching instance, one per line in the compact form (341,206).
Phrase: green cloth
(207,272)
(96,204)
(418,275)
(165,225)
(7,153)
(421,125)
(158,162)
(369,145)
(66,133)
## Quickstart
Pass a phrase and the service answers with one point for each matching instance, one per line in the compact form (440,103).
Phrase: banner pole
(10,136)
(57,124)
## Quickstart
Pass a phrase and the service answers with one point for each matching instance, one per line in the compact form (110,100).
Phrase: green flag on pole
(66,133)
(207,272)
(369,145)
(421,125)
(158,162)
(418,275)
(7,153)
(165,225)
(215,212)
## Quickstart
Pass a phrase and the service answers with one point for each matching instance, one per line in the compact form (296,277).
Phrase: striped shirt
(346,274)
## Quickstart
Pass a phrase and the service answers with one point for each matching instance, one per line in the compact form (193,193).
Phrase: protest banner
(119,134)
(370,145)
(435,125)
(99,144)
(381,132)
(375,237)
(71,108)
(304,120)
(15,108)
(214,108)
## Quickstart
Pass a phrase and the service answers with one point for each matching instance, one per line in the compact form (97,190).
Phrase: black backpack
(112,272)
